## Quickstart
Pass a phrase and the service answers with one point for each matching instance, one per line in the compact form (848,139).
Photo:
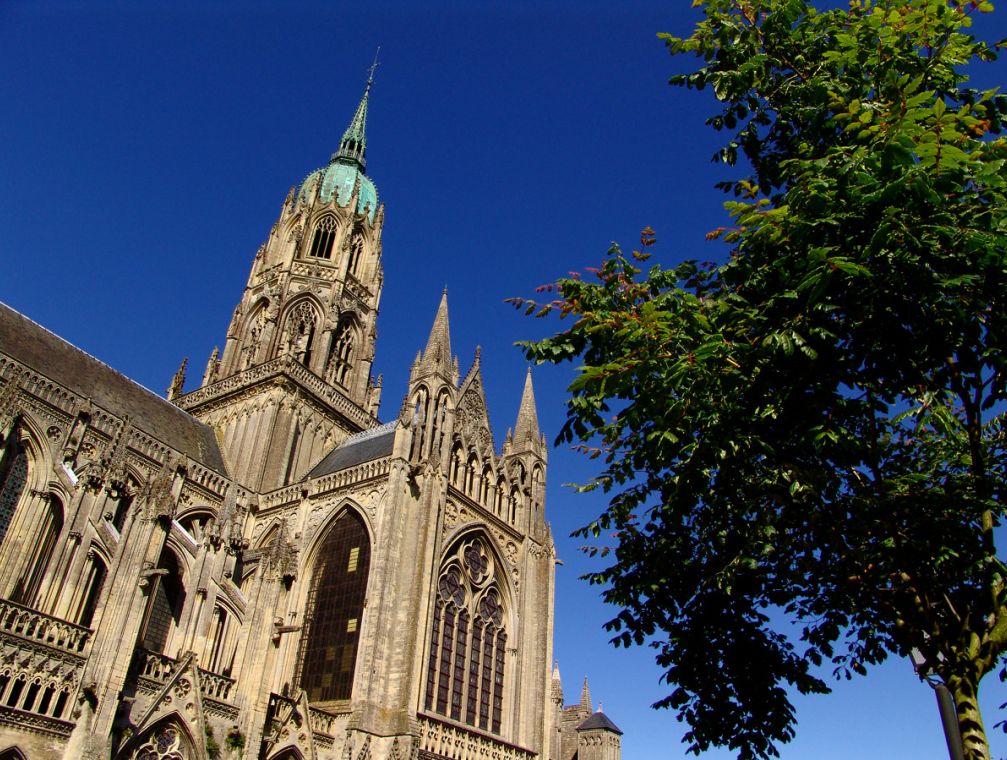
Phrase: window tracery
(301,332)
(465,669)
(165,743)
(325,236)
(13,480)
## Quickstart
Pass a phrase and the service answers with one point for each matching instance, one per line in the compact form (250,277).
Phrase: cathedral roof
(32,345)
(599,720)
(357,449)
(345,171)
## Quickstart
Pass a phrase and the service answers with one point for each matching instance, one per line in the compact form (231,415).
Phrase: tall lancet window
(47,530)
(164,608)
(465,669)
(335,605)
(325,236)
(13,479)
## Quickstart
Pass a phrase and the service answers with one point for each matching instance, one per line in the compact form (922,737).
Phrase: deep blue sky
(145,149)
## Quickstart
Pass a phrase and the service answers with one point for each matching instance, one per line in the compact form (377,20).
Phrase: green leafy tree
(804,445)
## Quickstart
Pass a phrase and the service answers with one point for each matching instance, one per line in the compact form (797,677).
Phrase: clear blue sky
(145,149)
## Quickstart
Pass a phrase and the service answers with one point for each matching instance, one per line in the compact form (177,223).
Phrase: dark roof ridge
(36,347)
(598,720)
(95,359)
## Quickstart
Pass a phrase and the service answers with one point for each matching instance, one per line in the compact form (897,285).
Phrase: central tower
(294,379)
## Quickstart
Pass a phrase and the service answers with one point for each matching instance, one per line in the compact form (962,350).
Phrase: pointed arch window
(334,610)
(486,487)
(167,741)
(457,465)
(166,603)
(341,355)
(223,642)
(466,663)
(94,580)
(472,470)
(301,332)
(27,588)
(325,236)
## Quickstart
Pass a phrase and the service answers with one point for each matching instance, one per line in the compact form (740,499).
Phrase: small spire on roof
(178,381)
(438,350)
(527,416)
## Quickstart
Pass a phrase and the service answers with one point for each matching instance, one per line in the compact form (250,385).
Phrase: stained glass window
(465,668)
(335,605)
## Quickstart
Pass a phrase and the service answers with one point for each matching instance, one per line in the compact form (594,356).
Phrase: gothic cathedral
(261,568)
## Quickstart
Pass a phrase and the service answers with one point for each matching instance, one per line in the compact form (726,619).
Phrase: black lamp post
(945,704)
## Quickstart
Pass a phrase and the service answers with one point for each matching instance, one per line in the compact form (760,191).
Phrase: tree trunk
(970,720)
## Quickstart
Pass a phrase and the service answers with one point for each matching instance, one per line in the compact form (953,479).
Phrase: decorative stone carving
(156,494)
(111,471)
(9,393)
(281,555)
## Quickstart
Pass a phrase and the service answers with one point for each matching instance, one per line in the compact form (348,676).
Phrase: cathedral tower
(295,373)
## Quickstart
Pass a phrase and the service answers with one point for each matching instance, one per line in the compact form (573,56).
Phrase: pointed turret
(527,416)
(212,367)
(353,146)
(526,437)
(437,354)
(178,381)
(585,695)
(557,685)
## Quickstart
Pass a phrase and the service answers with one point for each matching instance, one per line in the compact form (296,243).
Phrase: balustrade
(159,668)
(27,623)
(327,723)
(450,742)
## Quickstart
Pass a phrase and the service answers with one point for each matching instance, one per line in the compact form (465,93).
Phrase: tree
(803,445)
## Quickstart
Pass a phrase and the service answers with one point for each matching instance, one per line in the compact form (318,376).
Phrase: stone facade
(259,568)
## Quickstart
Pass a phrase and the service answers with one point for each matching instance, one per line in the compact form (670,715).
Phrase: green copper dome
(346,168)
(337,181)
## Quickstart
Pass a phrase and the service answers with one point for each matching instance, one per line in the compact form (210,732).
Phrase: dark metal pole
(945,704)
(949,719)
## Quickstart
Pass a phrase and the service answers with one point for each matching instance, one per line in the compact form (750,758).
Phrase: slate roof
(357,449)
(599,720)
(49,355)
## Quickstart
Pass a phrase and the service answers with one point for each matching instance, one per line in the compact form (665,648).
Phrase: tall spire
(585,695)
(438,351)
(353,146)
(527,416)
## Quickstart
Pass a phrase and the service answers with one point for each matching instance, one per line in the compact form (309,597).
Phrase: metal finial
(374,66)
